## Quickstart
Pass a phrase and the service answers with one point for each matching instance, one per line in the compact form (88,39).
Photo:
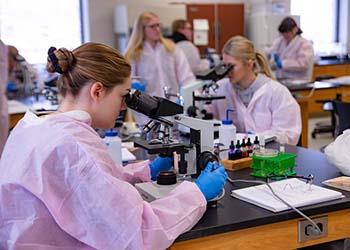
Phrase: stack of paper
(294,191)
(341,182)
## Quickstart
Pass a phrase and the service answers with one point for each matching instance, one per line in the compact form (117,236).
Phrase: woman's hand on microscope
(212,180)
(160,164)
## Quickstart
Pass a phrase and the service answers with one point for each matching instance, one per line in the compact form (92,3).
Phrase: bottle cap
(256,141)
(227,121)
(111,132)
(232,145)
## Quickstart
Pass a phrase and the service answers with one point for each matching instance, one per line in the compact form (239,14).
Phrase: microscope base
(151,191)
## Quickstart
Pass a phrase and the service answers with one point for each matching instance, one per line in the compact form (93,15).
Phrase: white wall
(344,34)
(100,13)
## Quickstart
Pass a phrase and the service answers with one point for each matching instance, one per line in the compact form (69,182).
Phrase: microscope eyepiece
(152,106)
(216,73)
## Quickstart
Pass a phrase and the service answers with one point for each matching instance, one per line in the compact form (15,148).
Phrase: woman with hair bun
(59,187)
(293,54)
(261,104)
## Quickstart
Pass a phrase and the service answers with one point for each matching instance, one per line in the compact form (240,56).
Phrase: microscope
(194,154)
(201,91)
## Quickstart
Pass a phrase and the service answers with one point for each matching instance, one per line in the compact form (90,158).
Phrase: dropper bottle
(238,152)
(231,152)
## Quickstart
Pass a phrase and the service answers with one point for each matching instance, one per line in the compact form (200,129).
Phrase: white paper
(200,37)
(200,24)
(296,192)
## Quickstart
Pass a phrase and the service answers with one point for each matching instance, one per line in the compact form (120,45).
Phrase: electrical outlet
(306,230)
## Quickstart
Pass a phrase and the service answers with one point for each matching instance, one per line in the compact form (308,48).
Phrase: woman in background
(182,36)
(293,55)
(261,104)
(156,59)
(60,189)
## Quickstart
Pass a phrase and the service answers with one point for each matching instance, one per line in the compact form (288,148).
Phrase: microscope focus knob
(204,158)
(192,111)
(166,178)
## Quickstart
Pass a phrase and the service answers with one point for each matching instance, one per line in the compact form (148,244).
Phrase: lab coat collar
(263,79)
(79,115)
(290,44)
(260,82)
(149,47)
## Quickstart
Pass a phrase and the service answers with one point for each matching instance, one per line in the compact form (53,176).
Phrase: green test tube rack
(282,164)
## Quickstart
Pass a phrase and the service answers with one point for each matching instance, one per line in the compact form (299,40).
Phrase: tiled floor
(321,139)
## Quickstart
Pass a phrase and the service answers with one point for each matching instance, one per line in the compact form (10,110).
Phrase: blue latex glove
(160,164)
(212,180)
(139,86)
(278,61)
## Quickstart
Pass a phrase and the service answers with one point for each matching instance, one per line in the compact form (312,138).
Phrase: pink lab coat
(59,189)
(159,69)
(4,119)
(297,58)
(271,111)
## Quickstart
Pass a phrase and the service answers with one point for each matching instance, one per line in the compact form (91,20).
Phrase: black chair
(342,114)
(342,118)
(325,127)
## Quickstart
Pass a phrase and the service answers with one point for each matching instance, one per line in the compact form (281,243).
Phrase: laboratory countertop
(233,214)
(40,104)
(309,85)
(328,62)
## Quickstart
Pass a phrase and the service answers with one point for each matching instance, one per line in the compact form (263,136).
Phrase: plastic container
(227,131)
(280,164)
(114,145)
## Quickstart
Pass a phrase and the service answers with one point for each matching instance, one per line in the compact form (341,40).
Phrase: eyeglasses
(153,26)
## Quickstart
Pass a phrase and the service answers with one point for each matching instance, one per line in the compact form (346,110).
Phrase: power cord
(316,228)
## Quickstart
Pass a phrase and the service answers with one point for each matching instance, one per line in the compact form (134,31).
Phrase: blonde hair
(136,42)
(243,48)
(89,62)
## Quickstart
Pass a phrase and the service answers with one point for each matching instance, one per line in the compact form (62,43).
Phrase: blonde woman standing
(261,104)
(156,59)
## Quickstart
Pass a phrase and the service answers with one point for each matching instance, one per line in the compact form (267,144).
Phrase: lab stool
(325,127)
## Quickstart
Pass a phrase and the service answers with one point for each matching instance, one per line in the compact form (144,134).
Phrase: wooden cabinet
(331,70)
(225,21)
(318,95)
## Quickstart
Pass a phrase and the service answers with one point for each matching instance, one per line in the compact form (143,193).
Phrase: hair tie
(54,60)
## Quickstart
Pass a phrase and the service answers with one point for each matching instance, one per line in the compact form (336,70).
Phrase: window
(34,26)
(319,22)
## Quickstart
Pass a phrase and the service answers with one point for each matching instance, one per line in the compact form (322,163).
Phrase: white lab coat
(4,119)
(193,57)
(338,152)
(160,69)
(271,111)
(297,58)
(60,189)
